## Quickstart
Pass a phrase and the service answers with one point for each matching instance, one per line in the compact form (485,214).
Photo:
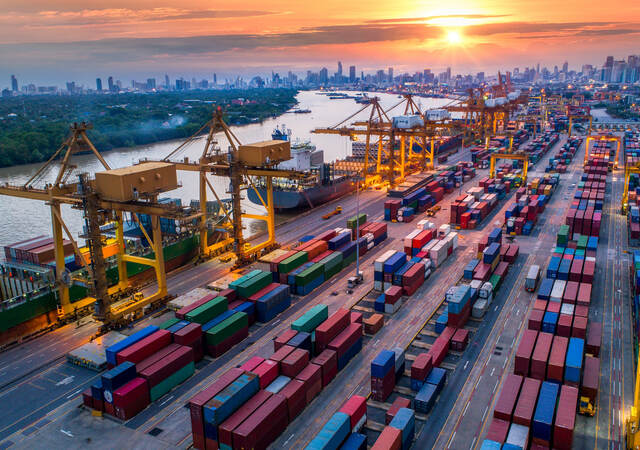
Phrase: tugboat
(324,184)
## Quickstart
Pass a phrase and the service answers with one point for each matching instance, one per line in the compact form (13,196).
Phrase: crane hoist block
(267,152)
(128,183)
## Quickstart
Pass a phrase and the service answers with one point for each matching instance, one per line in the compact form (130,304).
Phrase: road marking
(276,322)
(65,381)
(465,365)
(465,409)
(492,371)
(496,386)
(504,363)
(473,442)
(166,400)
(485,413)
(285,442)
(66,432)
(75,393)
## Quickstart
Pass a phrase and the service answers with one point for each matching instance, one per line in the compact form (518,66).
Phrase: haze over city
(54,41)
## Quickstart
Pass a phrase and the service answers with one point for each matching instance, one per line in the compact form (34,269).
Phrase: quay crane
(383,132)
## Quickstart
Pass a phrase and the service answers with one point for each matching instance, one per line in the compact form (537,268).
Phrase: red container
(570,292)
(563,327)
(197,402)
(399,402)
(296,396)
(594,339)
(389,439)
(581,311)
(584,294)
(502,269)
(262,292)
(328,362)
(345,340)
(167,366)
(579,328)
(555,368)
(266,372)
(565,418)
(498,430)
(541,355)
(145,347)
(381,388)
(330,328)
(283,339)
(157,356)
(535,319)
(294,362)
(281,354)
(540,304)
(252,363)
(87,399)
(229,294)
(187,309)
(311,376)
(225,346)
(588,271)
(575,273)
(438,351)
(460,339)
(523,414)
(225,430)
(590,378)
(355,408)
(263,426)
(188,335)
(355,317)
(421,366)
(507,398)
(554,307)
(482,272)
(392,294)
(524,352)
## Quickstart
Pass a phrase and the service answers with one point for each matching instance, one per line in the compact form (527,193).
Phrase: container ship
(329,180)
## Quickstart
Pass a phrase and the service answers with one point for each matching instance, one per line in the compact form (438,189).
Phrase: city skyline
(69,39)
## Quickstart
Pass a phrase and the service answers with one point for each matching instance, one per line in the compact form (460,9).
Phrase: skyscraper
(98,84)
(339,69)
(390,74)
(565,67)
(215,79)
(324,75)
(167,83)
(352,74)
(14,83)
(110,84)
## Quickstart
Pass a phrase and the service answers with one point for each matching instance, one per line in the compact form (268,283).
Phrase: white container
(408,240)
(377,285)
(422,224)
(557,291)
(454,239)
(475,284)
(444,230)
(390,309)
(437,114)
(408,121)
(567,308)
(450,293)
(378,264)
(187,299)
(430,245)
(427,273)
(479,309)
(518,435)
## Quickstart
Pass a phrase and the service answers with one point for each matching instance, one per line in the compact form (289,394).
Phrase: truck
(433,210)
(336,211)
(533,276)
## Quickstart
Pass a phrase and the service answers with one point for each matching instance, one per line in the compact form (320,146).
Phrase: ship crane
(379,130)
(100,205)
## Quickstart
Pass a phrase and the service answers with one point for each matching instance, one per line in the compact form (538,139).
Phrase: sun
(454,37)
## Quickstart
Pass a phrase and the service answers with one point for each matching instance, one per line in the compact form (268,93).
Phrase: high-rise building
(14,83)
(110,84)
(565,67)
(480,77)
(352,74)
(167,83)
(151,83)
(324,75)
(609,61)
(448,74)
(98,84)
(71,87)
(390,74)
(339,69)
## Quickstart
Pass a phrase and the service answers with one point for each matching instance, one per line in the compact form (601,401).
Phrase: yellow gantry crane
(105,199)
(511,156)
(581,112)
(603,138)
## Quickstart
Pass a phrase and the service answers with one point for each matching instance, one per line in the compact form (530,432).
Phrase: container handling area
(489,302)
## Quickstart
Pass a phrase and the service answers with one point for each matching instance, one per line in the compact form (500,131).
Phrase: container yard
(489,303)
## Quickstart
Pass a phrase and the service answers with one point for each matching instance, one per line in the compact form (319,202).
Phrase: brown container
(590,378)
(294,362)
(373,324)
(225,430)
(398,403)
(498,430)
(523,414)
(389,439)
(555,368)
(263,426)
(266,152)
(280,354)
(311,376)
(541,355)
(579,328)
(296,396)
(507,398)
(285,337)
(594,338)
(565,418)
(535,319)
(564,325)
(524,351)
(328,362)
(127,183)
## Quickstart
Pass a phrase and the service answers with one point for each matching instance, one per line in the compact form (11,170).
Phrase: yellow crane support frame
(624,205)
(632,423)
(580,117)
(607,138)
(512,156)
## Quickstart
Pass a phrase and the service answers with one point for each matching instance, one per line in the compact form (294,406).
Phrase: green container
(227,328)
(311,319)
(495,281)
(168,323)
(328,273)
(310,274)
(332,261)
(349,259)
(582,242)
(244,278)
(559,249)
(293,262)
(359,219)
(171,381)
(563,236)
(254,284)
(204,313)
(580,252)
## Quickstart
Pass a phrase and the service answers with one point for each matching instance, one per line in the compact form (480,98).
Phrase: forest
(33,127)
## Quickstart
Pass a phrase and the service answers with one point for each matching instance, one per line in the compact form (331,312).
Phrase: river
(23,219)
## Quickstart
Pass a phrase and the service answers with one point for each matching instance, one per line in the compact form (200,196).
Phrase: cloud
(428,18)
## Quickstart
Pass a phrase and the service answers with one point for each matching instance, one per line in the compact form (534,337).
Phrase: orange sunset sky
(58,40)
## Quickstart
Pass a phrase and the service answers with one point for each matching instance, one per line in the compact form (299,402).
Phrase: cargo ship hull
(304,198)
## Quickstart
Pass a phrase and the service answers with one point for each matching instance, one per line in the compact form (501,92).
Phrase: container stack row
(250,406)
(561,160)
(522,215)
(537,147)
(632,159)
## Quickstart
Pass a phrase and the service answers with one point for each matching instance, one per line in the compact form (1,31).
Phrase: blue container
(552,268)
(495,235)
(302,340)
(217,320)
(339,240)
(488,444)
(278,384)
(383,363)
(549,322)
(379,239)
(491,253)
(425,398)
(379,304)
(178,326)
(291,276)
(378,276)
(546,285)
(416,385)
(270,305)
(437,377)
(355,441)
(116,378)
(247,307)
(527,228)
(230,398)
(573,360)
(306,289)
(405,421)
(397,276)
(592,243)
(353,351)
(545,407)
(97,391)
(565,268)
(415,259)
(347,249)
(469,268)
(396,261)
(126,342)
(441,322)
(511,447)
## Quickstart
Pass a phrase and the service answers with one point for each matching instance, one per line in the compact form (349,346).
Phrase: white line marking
(276,322)
(465,409)
(167,399)
(473,442)
(465,365)
(485,413)
(504,363)
(288,439)
(495,386)
(65,432)
(75,393)
(492,371)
